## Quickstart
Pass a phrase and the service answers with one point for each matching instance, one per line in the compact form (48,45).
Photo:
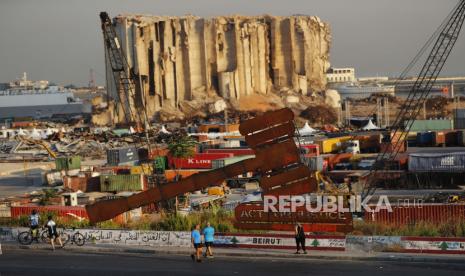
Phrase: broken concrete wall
(187,58)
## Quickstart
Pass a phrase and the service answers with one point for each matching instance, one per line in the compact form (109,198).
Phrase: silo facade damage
(182,59)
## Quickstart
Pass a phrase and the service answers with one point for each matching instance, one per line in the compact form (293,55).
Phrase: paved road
(25,262)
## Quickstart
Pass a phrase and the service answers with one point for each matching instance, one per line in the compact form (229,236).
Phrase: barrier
(437,245)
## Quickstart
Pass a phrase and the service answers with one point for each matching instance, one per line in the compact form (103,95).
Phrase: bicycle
(27,237)
(75,238)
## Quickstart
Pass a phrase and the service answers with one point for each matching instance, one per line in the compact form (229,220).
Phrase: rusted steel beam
(273,156)
(300,187)
(293,174)
(270,134)
(268,119)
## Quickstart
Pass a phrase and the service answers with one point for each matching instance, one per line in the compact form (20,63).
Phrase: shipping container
(233,151)
(333,159)
(160,163)
(369,143)
(119,156)
(461,137)
(432,125)
(310,150)
(85,184)
(425,139)
(53,178)
(459,113)
(68,163)
(315,163)
(220,163)
(439,138)
(437,162)
(61,211)
(171,174)
(332,145)
(198,161)
(451,138)
(415,213)
(459,123)
(120,183)
(5,212)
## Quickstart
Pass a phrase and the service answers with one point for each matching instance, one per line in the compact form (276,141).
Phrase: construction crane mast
(419,92)
(129,94)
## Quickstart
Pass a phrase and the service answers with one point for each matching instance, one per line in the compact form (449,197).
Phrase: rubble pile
(320,115)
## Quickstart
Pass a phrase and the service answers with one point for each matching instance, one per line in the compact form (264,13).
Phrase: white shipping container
(54,178)
(5,212)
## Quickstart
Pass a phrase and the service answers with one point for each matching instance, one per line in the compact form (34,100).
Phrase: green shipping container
(431,125)
(68,163)
(159,162)
(121,182)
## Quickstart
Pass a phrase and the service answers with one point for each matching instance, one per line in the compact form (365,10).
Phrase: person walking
(209,236)
(300,238)
(196,240)
(52,232)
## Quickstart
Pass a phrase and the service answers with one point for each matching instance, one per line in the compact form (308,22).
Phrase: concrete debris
(320,114)
(235,57)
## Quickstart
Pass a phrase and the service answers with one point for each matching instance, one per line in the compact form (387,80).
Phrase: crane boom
(123,75)
(420,91)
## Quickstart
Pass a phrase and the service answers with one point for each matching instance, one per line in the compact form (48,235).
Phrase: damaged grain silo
(182,59)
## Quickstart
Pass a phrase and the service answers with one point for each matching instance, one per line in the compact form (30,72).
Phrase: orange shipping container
(171,174)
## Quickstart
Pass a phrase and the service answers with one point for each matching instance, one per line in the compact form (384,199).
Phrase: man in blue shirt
(209,233)
(196,239)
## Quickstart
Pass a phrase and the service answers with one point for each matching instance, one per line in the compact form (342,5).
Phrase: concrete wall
(186,58)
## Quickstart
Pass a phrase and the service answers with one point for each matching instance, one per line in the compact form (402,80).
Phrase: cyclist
(52,232)
(34,225)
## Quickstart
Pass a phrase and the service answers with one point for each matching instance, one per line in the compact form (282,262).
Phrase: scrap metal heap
(277,160)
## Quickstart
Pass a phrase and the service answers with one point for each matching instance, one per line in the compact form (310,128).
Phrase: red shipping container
(61,211)
(416,212)
(198,161)
(234,151)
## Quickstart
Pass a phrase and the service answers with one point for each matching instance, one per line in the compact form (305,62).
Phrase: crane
(129,93)
(445,41)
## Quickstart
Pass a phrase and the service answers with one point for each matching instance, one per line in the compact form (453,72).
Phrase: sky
(60,40)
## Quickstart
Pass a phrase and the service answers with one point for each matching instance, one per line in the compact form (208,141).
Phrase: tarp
(370,126)
(307,130)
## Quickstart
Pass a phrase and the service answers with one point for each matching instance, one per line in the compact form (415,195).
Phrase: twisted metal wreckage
(277,160)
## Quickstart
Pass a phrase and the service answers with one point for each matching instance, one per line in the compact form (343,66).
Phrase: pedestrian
(52,232)
(300,238)
(209,236)
(34,225)
(196,240)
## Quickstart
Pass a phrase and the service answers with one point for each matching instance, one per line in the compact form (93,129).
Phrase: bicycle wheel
(65,238)
(44,237)
(79,239)
(25,238)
